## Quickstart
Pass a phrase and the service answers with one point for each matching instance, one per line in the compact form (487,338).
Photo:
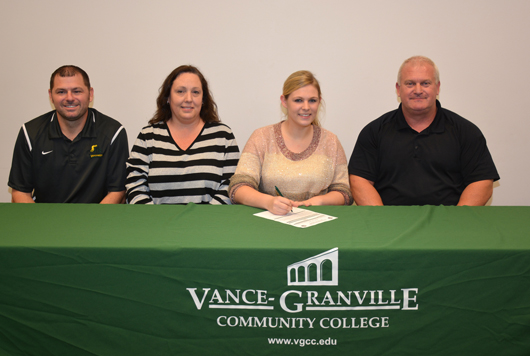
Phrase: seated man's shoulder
(388,118)
(103,121)
(39,123)
(106,126)
(459,122)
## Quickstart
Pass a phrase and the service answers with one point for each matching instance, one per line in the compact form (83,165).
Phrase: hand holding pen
(282,202)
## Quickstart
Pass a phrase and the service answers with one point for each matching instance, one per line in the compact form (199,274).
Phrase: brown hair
(163,112)
(69,71)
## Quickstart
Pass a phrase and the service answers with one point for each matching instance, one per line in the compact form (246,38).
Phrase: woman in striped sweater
(185,154)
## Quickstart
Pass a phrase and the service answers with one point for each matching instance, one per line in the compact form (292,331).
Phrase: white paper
(299,217)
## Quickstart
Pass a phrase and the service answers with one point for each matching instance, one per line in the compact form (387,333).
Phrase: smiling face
(302,105)
(71,97)
(418,89)
(185,98)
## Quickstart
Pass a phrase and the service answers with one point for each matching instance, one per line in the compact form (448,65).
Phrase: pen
(275,187)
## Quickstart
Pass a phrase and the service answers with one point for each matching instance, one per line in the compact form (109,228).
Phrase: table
(214,280)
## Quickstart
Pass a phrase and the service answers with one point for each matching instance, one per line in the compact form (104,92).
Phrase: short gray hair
(419,60)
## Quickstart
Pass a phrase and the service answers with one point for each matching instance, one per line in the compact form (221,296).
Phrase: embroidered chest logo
(95,151)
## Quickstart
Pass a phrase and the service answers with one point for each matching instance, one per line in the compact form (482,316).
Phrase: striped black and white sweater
(159,172)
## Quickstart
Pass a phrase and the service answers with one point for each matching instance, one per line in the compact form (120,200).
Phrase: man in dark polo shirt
(421,153)
(73,154)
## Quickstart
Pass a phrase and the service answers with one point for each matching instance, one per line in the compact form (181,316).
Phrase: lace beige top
(266,162)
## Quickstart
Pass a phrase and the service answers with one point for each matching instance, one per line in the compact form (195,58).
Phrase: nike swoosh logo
(45,153)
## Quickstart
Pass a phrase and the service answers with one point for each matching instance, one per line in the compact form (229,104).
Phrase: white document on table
(298,217)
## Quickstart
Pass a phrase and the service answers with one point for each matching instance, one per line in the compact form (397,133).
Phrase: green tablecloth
(213,280)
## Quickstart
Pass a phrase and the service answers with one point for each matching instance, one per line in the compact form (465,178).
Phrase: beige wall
(247,48)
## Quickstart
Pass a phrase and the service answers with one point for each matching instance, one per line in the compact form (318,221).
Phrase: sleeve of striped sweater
(232,155)
(138,171)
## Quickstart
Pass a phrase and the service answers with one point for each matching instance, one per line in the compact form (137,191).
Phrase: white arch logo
(311,271)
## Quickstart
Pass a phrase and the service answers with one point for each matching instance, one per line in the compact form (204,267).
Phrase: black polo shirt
(58,170)
(432,167)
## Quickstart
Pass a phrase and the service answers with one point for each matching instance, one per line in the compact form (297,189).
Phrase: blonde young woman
(295,157)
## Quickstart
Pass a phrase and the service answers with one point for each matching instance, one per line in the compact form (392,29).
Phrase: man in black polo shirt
(421,153)
(73,154)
